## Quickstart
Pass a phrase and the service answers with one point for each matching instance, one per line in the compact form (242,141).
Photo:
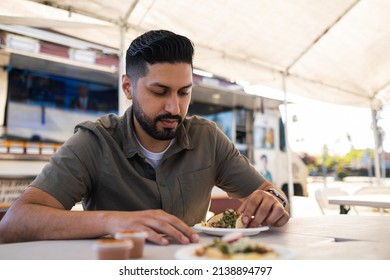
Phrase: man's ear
(126,86)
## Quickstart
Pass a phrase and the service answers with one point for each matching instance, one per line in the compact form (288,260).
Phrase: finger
(159,225)
(279,219)
(152,235)
(245,218)
(169,231)
(268,210)
(242,207)
(262,212)
(155,237)
(251,209)
(186,231)
(173,227)
(275,216)
(282,221)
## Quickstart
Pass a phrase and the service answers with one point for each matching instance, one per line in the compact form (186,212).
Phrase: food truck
(40,80)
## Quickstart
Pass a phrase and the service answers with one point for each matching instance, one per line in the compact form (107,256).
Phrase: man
(152,169)
(264,168)
(83,101)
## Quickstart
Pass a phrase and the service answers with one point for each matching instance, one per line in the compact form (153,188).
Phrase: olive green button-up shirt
(102,165)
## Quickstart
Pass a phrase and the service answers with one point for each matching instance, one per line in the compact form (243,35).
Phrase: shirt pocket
(196,193)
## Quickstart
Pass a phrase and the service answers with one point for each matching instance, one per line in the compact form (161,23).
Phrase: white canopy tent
(335,51)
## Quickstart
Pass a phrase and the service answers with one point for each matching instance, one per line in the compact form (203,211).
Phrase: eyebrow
(166,87)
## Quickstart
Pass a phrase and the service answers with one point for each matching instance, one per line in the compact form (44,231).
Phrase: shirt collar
(130,144)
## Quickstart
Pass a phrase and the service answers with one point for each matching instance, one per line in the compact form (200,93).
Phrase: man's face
(83,91)
(161,99)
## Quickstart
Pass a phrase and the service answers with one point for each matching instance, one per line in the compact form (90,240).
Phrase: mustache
(169,116)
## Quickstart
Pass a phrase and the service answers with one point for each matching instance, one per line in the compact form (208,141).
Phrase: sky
(315,124)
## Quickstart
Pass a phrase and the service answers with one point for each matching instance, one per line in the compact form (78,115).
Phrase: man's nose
(172,105)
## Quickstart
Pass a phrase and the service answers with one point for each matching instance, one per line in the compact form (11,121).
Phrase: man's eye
(158,92)
(184,93)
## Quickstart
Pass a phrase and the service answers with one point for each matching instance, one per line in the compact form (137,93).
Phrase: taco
(227,219)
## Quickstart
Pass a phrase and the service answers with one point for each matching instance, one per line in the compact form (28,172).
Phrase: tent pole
(288,149)
(122,101)
(376,148)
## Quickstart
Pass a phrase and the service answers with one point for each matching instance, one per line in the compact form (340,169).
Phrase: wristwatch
(278,195)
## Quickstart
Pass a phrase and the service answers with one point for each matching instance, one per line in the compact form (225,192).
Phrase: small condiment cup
(113,249)
(137,237)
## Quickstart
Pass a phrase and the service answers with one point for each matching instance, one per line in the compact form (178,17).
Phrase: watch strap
(278,195)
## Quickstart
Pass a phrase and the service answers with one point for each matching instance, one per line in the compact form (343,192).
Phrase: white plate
(224,231)
(188,253)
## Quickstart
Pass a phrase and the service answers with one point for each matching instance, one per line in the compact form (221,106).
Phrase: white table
(82,249)
(322,237)
(342,228)
(380,201)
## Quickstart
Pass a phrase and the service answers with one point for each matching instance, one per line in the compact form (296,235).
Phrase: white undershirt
(154,158)
(83,103)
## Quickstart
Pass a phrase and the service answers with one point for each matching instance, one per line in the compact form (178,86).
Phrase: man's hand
(262,208)
(159,225)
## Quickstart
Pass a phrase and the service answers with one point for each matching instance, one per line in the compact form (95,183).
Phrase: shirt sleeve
(72,170)
(236,175)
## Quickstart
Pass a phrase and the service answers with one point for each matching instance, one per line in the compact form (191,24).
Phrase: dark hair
(157,46)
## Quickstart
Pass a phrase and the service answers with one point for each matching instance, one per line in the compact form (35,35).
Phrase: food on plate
(235,247)
(227,219)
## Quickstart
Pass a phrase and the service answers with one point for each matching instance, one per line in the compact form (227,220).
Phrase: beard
(149,125)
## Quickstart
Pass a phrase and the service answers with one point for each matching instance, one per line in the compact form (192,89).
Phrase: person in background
(151,169)
(264,168)
(83,102)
